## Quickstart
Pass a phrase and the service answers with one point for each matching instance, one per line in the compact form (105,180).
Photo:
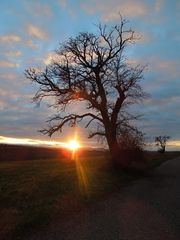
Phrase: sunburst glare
(73,145)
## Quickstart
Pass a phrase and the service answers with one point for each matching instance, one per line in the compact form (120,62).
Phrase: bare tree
(92,68)
(161,143)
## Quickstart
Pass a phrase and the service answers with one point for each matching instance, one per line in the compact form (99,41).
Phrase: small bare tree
(161,143)
(92,68)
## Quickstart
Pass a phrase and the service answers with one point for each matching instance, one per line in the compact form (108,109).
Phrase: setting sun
(73,145)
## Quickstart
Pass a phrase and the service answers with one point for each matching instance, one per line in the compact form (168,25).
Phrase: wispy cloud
(8,64)
(8,76)
(158,5)
(11,38)
(13,53)
(31,44)
(63,3)
(38,9)
(36,32)
(28,141)
(168,68)
(110,9)
(143,38)
(50,57)
(166,102)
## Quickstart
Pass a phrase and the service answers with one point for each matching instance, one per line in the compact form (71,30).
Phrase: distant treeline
(20,152)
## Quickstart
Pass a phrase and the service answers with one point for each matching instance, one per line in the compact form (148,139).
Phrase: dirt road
(147,209)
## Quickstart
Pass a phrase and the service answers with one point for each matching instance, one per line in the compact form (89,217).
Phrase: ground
(147,209)
(57,197)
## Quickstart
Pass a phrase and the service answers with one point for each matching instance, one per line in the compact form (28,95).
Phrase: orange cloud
(143,38)
(110,9)
(31,44)
(50,57)
(127,9)
(174,143)
(36,32)
(11,38)
(8,64)
(27,141)
(170,67)
(8,76)
(13,53)
(172,100)
(167,64)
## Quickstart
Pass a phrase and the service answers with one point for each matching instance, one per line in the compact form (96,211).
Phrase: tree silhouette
(161,143)
(131,143)
(92,68)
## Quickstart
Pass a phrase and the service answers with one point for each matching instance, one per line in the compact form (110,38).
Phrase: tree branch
(71,119)
(93,134)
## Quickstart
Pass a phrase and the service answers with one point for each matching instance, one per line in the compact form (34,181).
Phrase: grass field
(34,193)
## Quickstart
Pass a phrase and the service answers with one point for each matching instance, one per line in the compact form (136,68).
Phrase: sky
(31,30)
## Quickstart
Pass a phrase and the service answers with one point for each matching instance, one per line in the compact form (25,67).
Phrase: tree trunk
(162,150)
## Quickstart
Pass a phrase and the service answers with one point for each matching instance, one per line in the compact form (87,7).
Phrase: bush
(131,145)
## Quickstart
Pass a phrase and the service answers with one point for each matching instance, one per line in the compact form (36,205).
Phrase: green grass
(35,192)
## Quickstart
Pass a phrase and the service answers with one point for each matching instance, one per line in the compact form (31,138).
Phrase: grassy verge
(154,159)
(34,192)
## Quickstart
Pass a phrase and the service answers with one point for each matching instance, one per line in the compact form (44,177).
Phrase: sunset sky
(31,30)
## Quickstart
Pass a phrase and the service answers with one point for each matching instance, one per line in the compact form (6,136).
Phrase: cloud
(110,9)
(32,31)
(174,143)
(143,38)
(38,9)
(163,102)
(63,3)
(8,64)
(8,76)
(36,32)
(11,38)
(158,5)
(50,57)
(13,53)
(169,68)
(28,141)
(69,7)
(159,74)
(167,65)
(31,44)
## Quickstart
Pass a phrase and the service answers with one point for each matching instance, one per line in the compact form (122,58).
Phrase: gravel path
(147,209)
